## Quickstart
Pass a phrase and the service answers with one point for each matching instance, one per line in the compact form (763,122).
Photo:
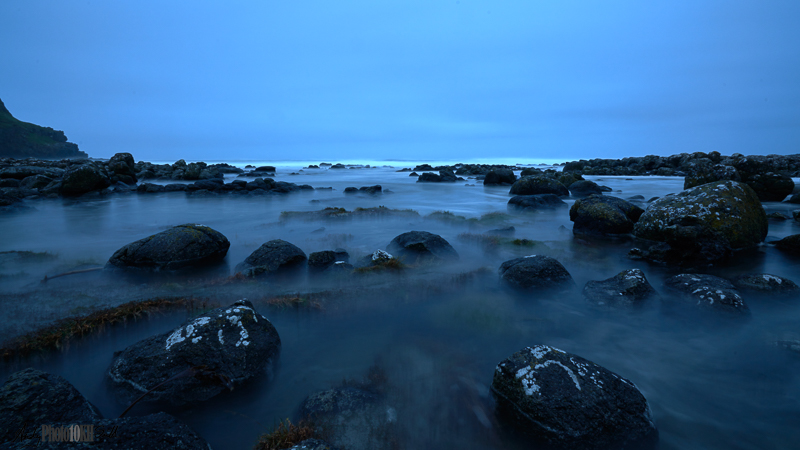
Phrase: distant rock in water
(536,273)
(538,185)
(421,246)
(534,202)
(561,399)
(765,283)
(627,288)
(188,245)
(274,257)
(25,140)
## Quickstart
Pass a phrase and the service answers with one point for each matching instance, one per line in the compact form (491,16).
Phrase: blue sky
(406,79)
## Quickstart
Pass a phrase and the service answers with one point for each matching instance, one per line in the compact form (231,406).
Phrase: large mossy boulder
(566,401)
(536,272)
(538,185)
(221,349)
(603,215)
(188,245)
(275,257)
(704,223)
(36,398)
(416,247)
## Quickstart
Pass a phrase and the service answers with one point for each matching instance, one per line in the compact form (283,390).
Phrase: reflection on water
(711,383)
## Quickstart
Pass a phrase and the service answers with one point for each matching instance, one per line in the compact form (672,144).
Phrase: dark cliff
(25,140)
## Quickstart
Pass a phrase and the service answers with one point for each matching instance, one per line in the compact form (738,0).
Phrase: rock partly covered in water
(538,185)
(627,288)
(500,177)
(188,245)
(422,247)
(789,244)
(534,202)
(602,215)
(708,292)
(536,272)
(221,349)
(766,284)
(83,178)
(570,402)
(272,258)
(37,398)
(705,223)
(583,188)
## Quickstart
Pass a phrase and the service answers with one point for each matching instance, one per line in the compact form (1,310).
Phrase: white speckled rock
(627,288)
(233,344)
(563,399)
(708,292)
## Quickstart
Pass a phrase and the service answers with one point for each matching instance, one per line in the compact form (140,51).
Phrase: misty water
(711,382)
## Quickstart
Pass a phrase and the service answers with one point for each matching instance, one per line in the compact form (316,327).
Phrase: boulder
(536,272)
(35,182)
(150,188)
(704,223)
(583,188)
(708,292)
(603,215)
(444,176)
(123,167)
(350,417)
(83,178)
(770,187)
(188,245)
(272,258)
(221,349)
(320,261)
(372,190)
(377,257)
(35,397)
(534,202)
(500,177)
(422,247)
(706,173)
(538,185)
(789,244)
(561,399)
(765,283)
(627,288)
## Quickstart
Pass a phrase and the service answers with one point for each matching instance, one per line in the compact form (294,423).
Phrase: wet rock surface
(603,215)
(500,177)
(584,188)
(35,397)
(627,288)
(789,244)
(564,400)
(273,258)
(416,247)
(708,292)
(536,272)
(226,347)
(188,245)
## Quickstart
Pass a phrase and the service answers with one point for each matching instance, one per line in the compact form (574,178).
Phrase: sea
(712,382)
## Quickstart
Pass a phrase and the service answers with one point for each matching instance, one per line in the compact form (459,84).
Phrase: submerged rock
(188,245)
(708,292)
(627,288)
(789,244)
(570,402)
(535,202)
(274,257)
(538,185)
(602,215)
(227,347)
(422,247)
(584,188)
(36,398)
(536,272)
(765,283)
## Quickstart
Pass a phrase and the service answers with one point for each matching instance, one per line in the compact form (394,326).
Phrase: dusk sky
(416,80)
